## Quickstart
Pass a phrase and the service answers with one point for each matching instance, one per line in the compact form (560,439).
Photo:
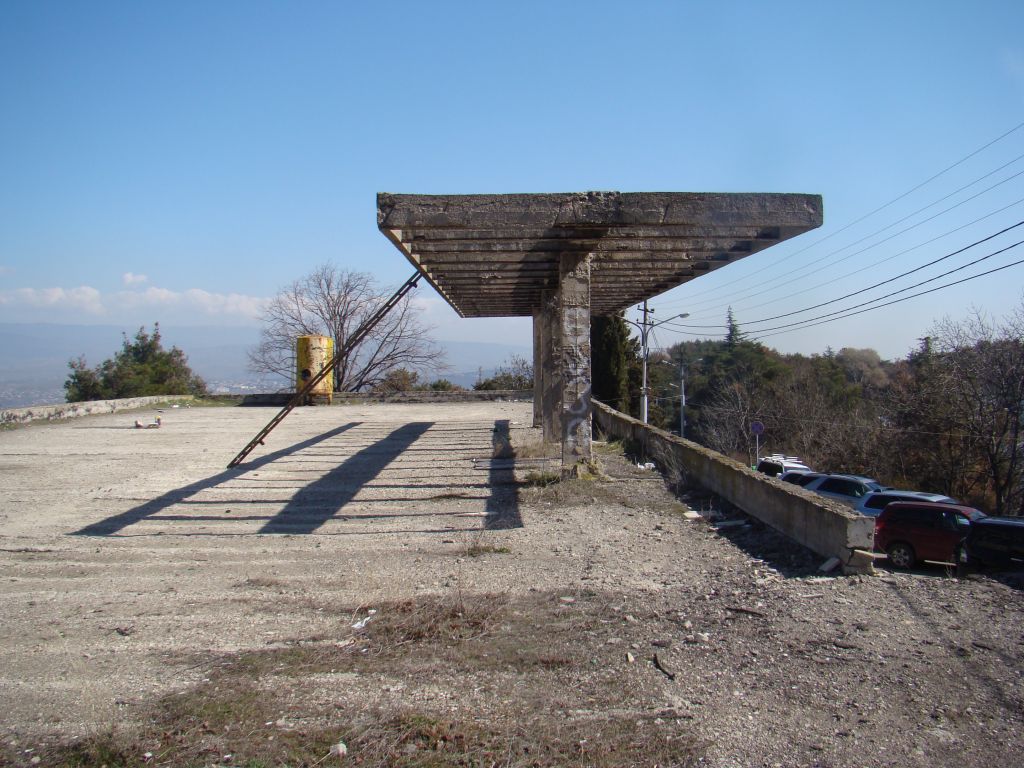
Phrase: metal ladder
(351,343)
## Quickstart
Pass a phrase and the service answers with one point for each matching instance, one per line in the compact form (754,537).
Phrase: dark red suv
(908,531)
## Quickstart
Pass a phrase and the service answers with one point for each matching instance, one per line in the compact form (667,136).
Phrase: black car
(799,477)
(994,542)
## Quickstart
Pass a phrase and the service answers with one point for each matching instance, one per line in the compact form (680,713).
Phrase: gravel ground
(133,565)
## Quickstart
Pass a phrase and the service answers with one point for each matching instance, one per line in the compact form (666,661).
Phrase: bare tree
(516,373)
(818,414)
(863,367)
(335,302)
(983,376)
(725,421)
(930,445)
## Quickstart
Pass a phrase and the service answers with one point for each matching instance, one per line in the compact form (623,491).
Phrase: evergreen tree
(142,368)
(612,353)
(733,335)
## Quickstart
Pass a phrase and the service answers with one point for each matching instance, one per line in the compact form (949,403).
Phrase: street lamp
(646,326)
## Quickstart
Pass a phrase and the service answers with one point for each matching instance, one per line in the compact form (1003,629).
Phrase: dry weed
(474,545)
(261,582)
(538,450)
(258,706)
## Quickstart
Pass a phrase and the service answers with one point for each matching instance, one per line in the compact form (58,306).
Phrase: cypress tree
(612,350)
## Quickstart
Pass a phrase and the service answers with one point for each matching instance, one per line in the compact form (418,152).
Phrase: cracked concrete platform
(121,548)
(344,470)
(133,566)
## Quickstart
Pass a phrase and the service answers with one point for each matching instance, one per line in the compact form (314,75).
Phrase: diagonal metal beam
(351,343)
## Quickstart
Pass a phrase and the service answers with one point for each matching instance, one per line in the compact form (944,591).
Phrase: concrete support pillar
(538,368)
(574,359)
(551,390)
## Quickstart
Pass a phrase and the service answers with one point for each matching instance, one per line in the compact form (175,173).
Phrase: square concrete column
(550,390)
(574,359)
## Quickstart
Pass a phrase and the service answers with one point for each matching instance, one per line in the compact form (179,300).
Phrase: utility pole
(682,399)
(644,329)
(646,325)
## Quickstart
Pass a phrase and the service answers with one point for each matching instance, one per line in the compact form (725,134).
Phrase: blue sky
(183,161)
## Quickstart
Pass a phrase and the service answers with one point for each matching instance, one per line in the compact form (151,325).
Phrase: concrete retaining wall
(820,524)
(281,399)
(74,410)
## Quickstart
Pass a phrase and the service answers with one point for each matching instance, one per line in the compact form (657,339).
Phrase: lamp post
(646,326)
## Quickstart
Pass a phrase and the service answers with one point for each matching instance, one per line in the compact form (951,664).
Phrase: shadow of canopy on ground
(115,524)
(356,479)
(325,497)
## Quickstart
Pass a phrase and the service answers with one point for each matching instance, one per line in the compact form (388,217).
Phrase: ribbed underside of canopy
(494,255)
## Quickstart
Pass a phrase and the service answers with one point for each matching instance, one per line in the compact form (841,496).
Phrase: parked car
(993,542)
(778,464)
(873,503)
(848,489)
(799,477)
(909,531)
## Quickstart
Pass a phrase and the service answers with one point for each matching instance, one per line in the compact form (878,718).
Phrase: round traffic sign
(757,427)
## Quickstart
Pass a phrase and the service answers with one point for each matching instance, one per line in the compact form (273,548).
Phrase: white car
(777,464)
(873,503)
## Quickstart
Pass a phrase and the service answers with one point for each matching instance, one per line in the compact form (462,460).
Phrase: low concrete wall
(74,410)
(347,398)
(820,524)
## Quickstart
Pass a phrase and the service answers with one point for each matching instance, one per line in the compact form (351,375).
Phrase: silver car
(873,503)
(849,489)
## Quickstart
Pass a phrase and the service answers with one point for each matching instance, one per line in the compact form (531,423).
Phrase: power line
(893,256)
(908,288)
(879,284)
(877,210)
(875,244)
(862,308)
(905,298)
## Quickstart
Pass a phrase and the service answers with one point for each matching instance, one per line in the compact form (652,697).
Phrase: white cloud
(131,306)
(6,270)
(433,308)
(198,306)
(84,297)
(446,325)
(130,278)
(147,298)
(225,303)
(195,301)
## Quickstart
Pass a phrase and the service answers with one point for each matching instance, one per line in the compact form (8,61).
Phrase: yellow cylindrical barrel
(312,354)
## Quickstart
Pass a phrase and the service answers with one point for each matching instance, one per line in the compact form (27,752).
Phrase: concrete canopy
(563,258)
(495,255)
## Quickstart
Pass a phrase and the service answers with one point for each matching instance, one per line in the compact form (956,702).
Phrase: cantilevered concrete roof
(492,255)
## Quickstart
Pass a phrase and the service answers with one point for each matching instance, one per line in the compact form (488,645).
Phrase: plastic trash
(364,621)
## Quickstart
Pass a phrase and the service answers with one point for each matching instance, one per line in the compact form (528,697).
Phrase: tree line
(948,418)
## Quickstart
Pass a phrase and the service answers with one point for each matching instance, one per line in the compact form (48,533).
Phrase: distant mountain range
(34,357)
